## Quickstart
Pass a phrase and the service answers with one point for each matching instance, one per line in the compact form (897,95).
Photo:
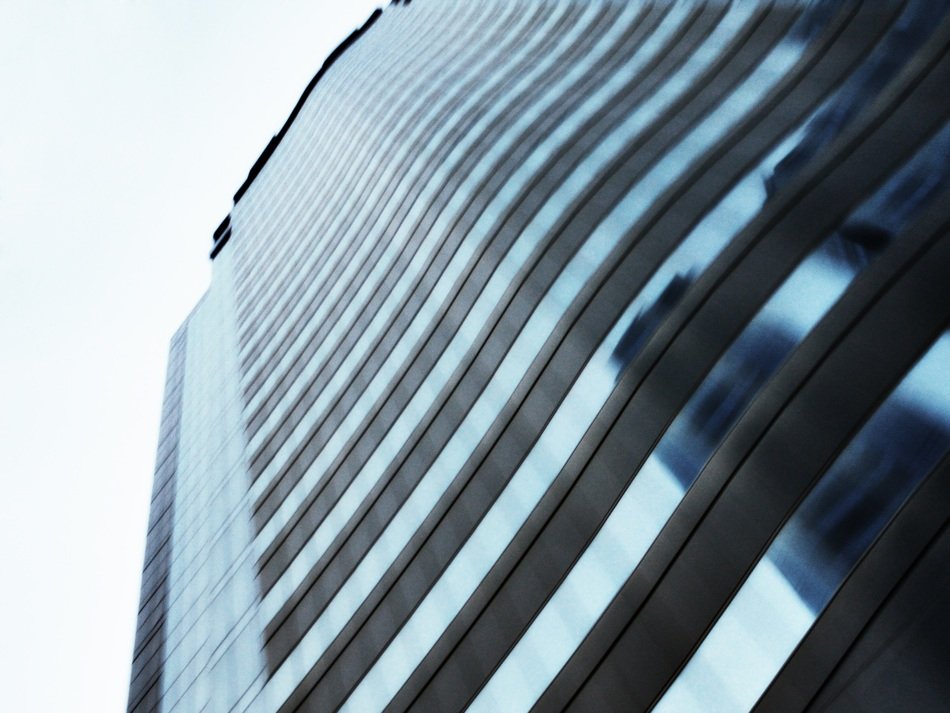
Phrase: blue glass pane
(822,541)
(658,487)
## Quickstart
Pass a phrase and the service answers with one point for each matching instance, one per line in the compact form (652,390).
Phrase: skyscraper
(573,354)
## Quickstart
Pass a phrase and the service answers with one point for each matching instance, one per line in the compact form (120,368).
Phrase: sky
(125,128)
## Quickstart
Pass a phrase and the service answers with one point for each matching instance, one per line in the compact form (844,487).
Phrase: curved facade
(573,354)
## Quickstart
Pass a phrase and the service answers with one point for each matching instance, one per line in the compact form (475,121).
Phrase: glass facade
(565,353)
(820,543)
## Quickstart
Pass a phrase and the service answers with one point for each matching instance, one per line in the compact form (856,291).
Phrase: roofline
(278,137)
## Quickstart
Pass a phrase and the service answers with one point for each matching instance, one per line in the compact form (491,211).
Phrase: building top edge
(278,137)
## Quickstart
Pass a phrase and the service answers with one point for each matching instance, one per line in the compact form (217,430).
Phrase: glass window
(680,455)
(822,541)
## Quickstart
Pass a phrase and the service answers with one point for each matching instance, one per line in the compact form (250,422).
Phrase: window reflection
(796,307)
(647,321)
(823,540)
(593,386)
(907,35)
(516,257)
(658,487)
(854,500)
(693,255)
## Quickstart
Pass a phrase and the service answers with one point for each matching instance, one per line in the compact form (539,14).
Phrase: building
(573,354)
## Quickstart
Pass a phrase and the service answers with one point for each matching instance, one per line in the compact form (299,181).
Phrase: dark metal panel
(256,265)
(444,426)
(480,372)
(437,542)
(804,437)
(459,309)
(882,643)
(560,545)
(148,657)
(369,227)
(741,441)
(333,416)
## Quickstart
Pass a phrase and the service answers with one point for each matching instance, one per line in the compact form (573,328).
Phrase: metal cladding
(574,354)
(146,689)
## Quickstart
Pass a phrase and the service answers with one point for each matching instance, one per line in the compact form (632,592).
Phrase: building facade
(573,354)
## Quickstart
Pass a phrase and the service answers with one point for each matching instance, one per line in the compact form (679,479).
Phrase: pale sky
(125,128)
